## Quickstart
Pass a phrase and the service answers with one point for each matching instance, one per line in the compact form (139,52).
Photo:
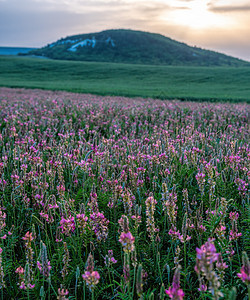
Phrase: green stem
(134,279)
(165,227)
(231,271)
(238,253)
(153,243)
(111,283)
(185,264)
(49,288)
(170,250)
(54,291)
(159,268)
(84,290)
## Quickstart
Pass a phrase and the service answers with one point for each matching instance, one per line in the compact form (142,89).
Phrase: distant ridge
(138,47)
(14,50)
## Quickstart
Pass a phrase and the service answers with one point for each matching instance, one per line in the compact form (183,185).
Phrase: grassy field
(164,82)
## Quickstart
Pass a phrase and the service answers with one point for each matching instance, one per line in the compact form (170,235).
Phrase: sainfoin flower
(19,270)
(62,293)
(244,274)
(200,177)
(28,237)
(82,222)
(206,254)
(234,234)
(90,276)
(202,288)
(44,266)
(109,259)
(205,259)
(68,225)
(174,291)
(99,225)
(2,283)
(127,240)
(150,210)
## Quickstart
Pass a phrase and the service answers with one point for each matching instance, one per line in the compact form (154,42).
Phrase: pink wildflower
(28,237)
(244,274)
(62,293)
(150,210)
(175,292)
(109,259)
(19,270)
(90,276)
(127,240)
(67,225)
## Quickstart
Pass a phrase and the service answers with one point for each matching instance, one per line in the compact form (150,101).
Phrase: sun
(195,14)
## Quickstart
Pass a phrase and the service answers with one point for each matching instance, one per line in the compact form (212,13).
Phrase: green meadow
(132,80)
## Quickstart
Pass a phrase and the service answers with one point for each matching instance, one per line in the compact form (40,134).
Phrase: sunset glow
(196,15)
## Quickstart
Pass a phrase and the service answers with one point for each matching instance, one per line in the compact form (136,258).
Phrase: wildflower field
(118,198)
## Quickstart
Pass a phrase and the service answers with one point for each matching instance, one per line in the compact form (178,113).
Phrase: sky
(220,25)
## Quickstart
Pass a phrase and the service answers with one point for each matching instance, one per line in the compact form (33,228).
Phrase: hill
(129,46)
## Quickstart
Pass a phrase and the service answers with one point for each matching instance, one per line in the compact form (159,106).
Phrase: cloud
(220,6)
(181,7)
(150,10)
(222,9)
(37,23)
(40,22)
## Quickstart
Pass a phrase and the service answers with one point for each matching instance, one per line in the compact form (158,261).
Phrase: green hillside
(165,82)
(128,46)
